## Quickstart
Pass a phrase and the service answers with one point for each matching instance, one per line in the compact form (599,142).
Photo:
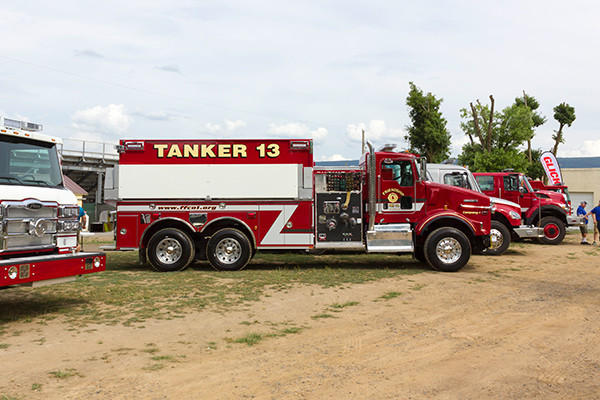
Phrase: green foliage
(496,137)
(532,103)
(428,134)
(535,169)
(565,115)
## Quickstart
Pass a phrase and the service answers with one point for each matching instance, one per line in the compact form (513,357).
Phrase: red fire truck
(551,211)
(222,200)
(38,215)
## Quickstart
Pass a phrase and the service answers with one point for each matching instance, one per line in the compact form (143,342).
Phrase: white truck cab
(38,216)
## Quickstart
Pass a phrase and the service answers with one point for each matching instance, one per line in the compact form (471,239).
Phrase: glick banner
(551,167)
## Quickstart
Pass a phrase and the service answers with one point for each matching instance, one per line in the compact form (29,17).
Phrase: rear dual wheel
(170,249)
(228,250)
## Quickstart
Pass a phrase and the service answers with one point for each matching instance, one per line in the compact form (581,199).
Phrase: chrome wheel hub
(448,250)
(228,251)
(168,251)
(495,239)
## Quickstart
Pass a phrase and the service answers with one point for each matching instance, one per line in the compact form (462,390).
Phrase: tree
(565,115)
(536,118)
(495,137)
(428,134)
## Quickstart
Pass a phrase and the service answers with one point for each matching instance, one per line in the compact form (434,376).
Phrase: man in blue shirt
(595,213)
(581,213)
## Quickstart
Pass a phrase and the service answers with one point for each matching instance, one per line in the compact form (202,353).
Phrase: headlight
(514,215)
(68,212)
(68,226)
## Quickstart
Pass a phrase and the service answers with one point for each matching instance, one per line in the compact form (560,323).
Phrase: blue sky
(107,70)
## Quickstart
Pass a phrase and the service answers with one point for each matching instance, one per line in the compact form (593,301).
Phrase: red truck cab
(548,210)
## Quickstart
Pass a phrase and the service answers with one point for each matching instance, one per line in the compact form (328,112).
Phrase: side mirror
(423,168)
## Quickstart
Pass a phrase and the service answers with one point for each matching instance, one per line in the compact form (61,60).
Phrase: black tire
(447,249)
(500,237)
(170,250)
(554,230)
(228,250)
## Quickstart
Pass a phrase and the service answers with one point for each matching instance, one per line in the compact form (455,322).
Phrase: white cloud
(297,130)
(229,126)
(457,144)
(375,131)
(212,128)
(590,148)
(234,125)
(112,120)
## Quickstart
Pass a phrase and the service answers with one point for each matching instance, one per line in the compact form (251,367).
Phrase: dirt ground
(520,326)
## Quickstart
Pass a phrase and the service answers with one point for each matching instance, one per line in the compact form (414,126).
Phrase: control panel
(338,208)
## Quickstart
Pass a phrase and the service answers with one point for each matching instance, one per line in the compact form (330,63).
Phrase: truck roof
(27,130)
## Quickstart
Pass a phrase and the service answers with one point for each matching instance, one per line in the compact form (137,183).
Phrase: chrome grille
(28,224)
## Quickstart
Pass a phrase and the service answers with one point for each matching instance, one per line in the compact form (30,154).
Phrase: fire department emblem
(392,194)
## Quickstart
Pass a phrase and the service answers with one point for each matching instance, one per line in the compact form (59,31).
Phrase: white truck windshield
(25,162)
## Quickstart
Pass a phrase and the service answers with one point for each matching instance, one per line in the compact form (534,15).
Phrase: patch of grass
(154,367)
(323,315)
(253,338)
(9,397)
(36,386)
(150,348)
(4,346)
(250,339)
(68,373)
(130,294)
(417,287)
(211,345)
(389,295)
(337,306)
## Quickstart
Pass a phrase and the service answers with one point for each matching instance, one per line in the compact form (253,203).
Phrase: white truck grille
(28,225)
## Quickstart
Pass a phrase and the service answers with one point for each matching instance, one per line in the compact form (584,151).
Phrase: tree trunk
(477,128)
(489,128)
(558,139)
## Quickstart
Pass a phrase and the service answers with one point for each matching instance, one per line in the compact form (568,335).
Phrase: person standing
(581,213)
(595,213)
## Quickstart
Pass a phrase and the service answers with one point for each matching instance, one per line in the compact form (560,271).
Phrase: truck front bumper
(482,242)
(54,268)
(528,231)
(575,221)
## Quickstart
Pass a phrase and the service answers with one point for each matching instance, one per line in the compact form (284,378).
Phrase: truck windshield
(25,162)
(526,184)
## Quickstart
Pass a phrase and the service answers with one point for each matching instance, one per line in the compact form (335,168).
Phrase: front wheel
(500,239)
(553,229)
(228,250)
(447,249)
(170,250)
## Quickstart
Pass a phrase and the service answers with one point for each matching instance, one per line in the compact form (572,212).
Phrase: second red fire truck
(222,200)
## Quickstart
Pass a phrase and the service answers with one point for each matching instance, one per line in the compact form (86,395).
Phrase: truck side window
(401,172)
(486,183)
(459,180)
(511,183)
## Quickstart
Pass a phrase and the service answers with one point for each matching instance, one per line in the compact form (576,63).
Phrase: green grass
(68,373)
(130,294)
(390,295)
